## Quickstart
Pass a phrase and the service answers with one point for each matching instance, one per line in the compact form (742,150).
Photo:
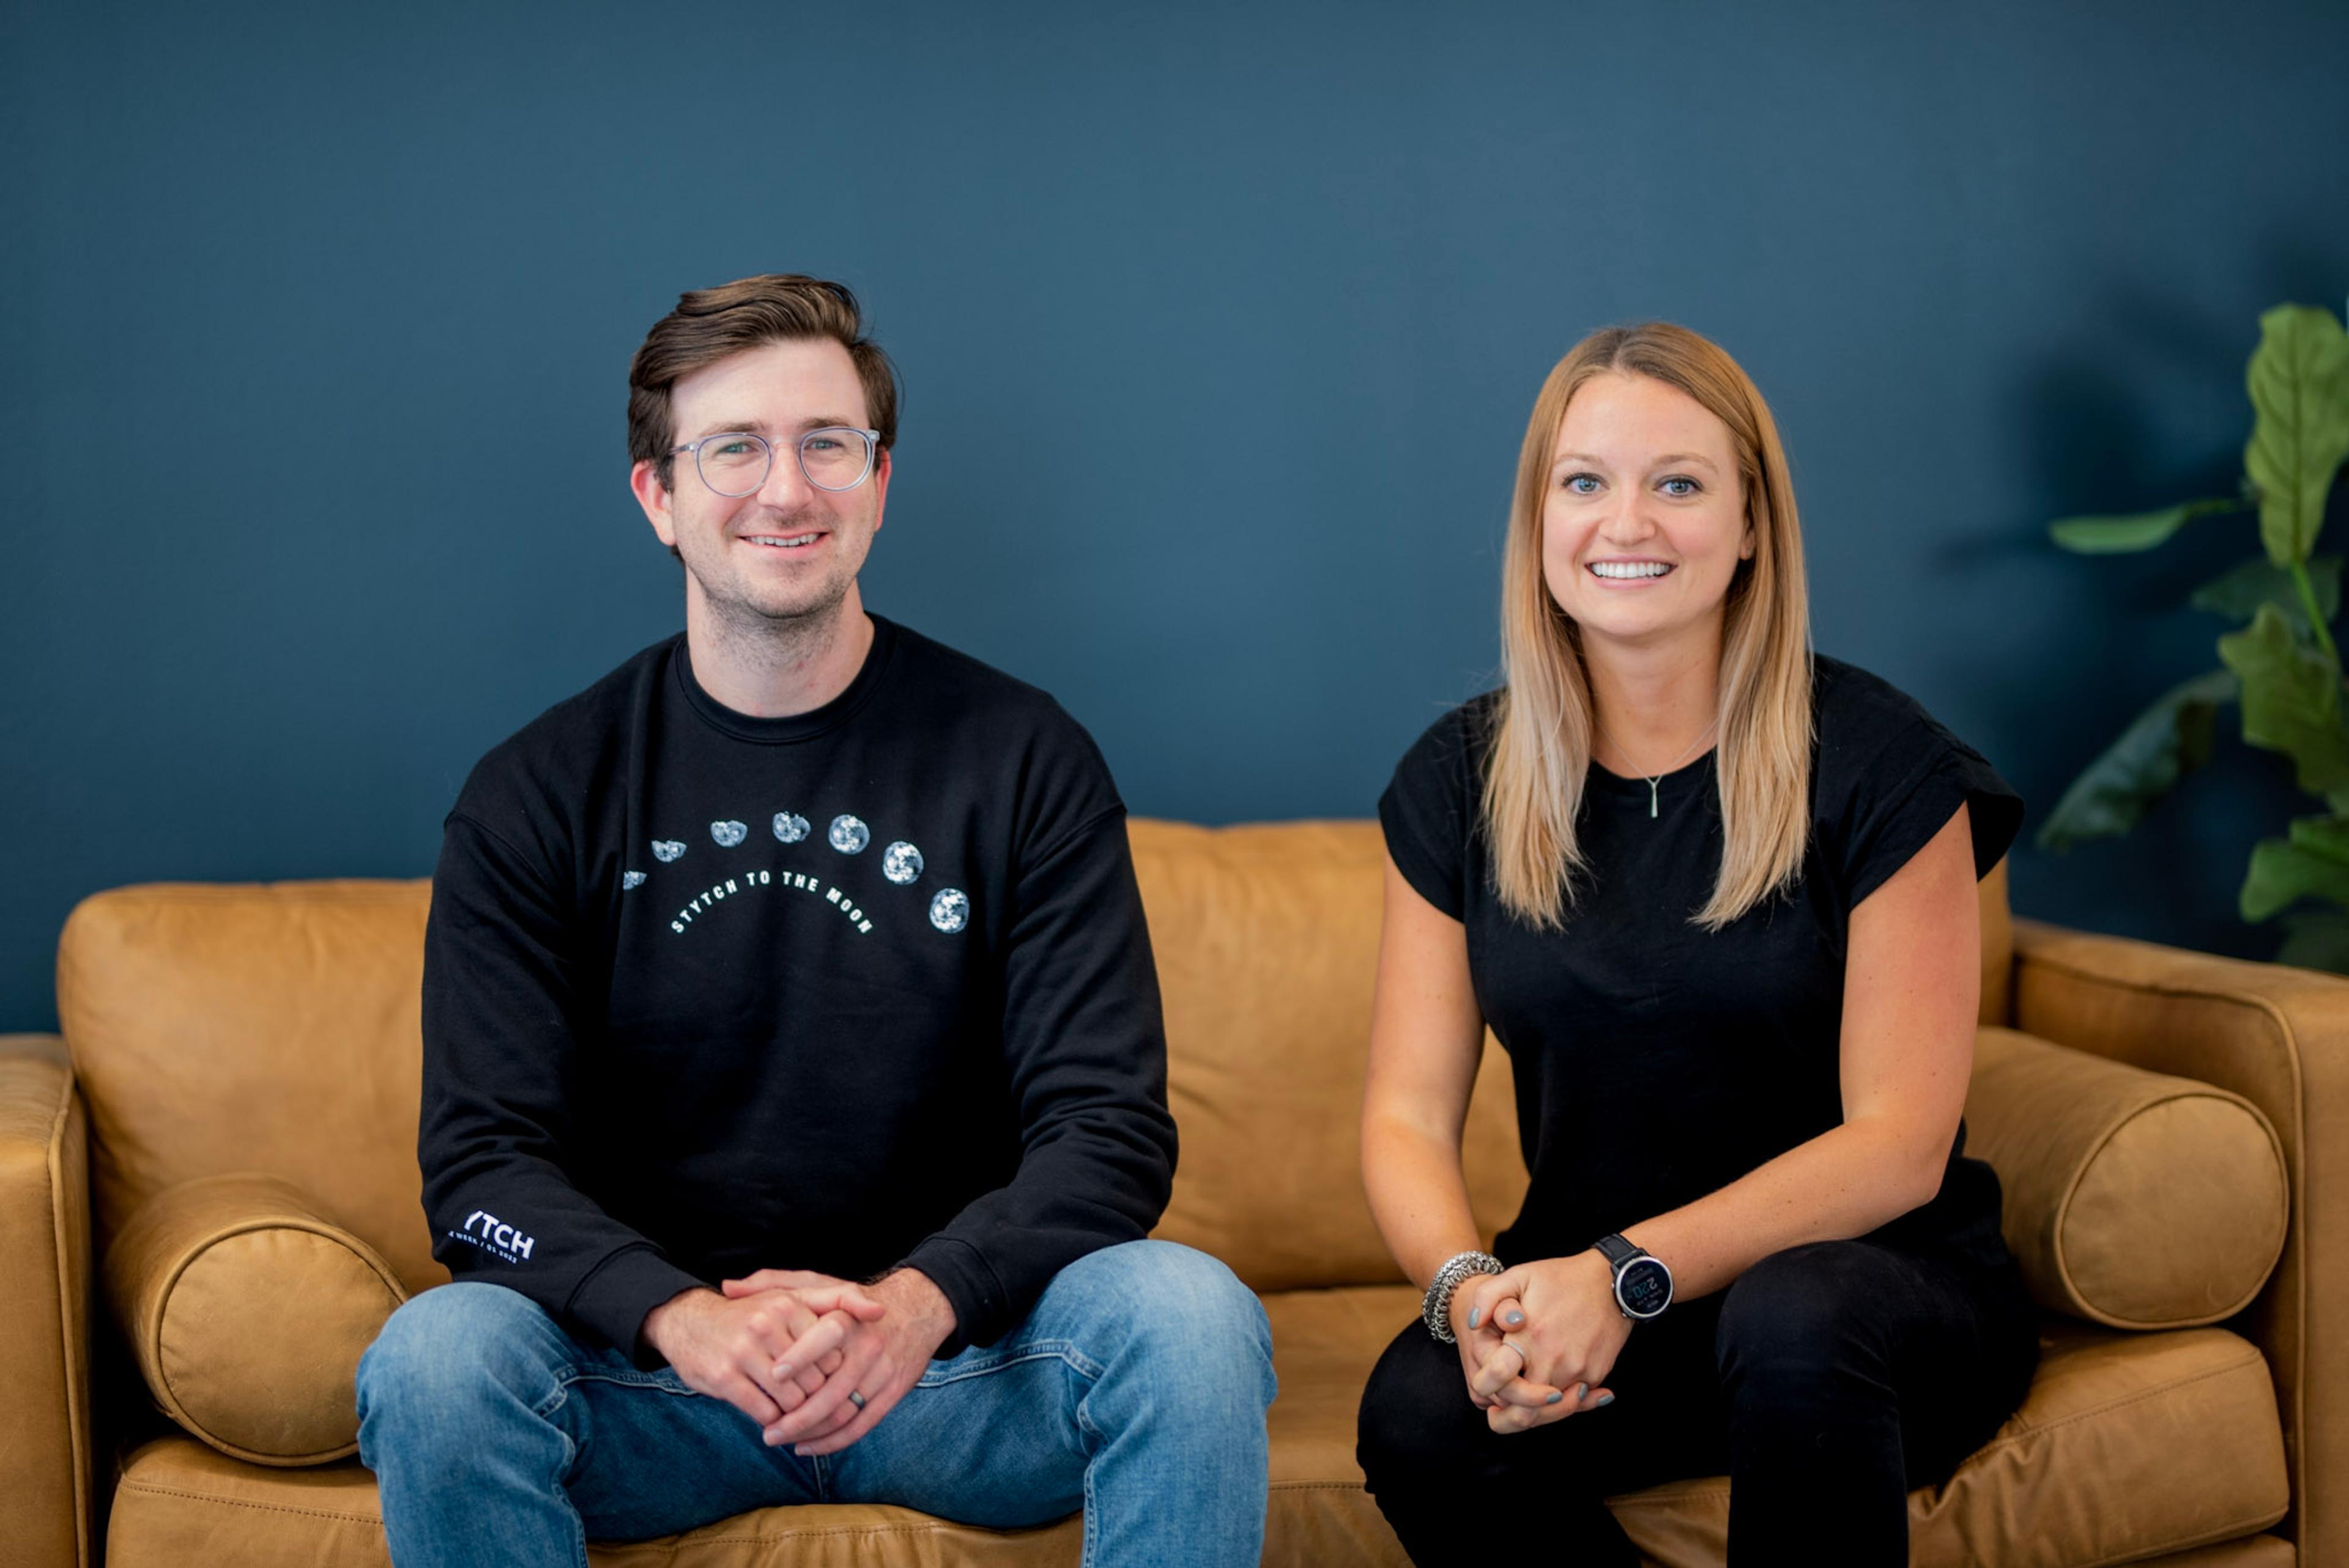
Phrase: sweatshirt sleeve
(501,1057)
(1086,1050)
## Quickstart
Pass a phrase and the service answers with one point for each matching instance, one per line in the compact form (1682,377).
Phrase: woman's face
(1644,521)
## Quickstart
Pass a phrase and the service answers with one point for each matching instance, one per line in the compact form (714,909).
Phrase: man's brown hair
(709,324)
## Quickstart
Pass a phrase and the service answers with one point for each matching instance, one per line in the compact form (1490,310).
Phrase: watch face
(1644,1287)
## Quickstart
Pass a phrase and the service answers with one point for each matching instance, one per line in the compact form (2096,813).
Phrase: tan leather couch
(208,1195)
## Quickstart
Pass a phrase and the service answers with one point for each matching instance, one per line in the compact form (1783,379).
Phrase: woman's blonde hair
(1543,721)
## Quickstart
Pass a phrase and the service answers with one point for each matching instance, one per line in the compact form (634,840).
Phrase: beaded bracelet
(1436,1308)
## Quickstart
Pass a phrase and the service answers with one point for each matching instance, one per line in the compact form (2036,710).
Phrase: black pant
(1827,1381)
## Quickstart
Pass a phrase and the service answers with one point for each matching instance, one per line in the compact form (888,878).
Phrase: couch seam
(934,1526)
(76,1419)
(929,1526)
(322,889)
(2254,1359)
(2296,1450)
(2236,1531)
(151,1490)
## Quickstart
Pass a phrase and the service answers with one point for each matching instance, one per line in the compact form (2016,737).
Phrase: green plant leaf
(2169,740)
(2299,382)
(2137,530)
(2319,939)
(2313,863)
(2258,581)
(2291,697)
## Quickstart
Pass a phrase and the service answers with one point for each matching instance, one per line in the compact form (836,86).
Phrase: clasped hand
(1537,1342)
(787,1347)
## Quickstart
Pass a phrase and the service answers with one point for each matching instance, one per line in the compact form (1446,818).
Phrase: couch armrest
(45,1439)
(2279,1037)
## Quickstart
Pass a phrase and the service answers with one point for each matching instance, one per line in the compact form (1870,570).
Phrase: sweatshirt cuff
(621,1291)
(983,1313)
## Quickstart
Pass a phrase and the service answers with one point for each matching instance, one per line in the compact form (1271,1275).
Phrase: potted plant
(2281,668)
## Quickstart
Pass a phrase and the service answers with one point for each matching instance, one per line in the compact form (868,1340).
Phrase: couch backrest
(274,1028)
(1267,939)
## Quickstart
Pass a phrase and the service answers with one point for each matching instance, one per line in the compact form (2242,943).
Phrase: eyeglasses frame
(799,455)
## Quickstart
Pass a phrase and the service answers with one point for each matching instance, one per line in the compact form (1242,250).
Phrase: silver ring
(855,1398)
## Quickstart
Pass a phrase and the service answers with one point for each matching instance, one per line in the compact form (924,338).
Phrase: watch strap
(1619,1252)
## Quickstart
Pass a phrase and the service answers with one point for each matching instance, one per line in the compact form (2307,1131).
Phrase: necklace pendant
(1651,799)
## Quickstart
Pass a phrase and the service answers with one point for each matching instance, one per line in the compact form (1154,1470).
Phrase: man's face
(788,550)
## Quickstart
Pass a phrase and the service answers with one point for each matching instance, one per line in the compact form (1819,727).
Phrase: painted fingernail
(1555,1396)
(1474,1313)
(1604,1399)
(1515,1318)
(1581,1392)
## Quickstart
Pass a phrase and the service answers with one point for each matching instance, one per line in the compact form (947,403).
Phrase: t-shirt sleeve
(1428,812)
(1914,776)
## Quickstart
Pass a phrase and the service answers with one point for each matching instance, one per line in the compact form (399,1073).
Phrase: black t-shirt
(1655,1062)
(706,993)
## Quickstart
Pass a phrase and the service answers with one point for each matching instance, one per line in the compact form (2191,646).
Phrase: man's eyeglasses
(736,463)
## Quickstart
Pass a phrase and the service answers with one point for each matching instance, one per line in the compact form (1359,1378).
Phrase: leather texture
(201,1278)
(272,1031)
(2280,1038)
(272,1028)
(2128,1446)
(1266,939)
(44,1439)
(2132,1199)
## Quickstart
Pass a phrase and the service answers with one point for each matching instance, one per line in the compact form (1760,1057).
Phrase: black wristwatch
(1643,1286)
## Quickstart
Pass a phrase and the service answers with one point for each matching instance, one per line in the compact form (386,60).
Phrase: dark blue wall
(1219,328)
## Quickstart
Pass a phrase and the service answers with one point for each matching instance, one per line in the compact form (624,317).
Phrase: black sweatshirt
(706,993)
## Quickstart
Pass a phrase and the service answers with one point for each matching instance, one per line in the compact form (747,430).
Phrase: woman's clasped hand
(1538,1341)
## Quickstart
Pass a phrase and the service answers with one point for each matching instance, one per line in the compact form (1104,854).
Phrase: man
(798,951)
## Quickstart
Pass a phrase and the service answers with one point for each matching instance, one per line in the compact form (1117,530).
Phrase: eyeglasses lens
(734,464)
(834,458)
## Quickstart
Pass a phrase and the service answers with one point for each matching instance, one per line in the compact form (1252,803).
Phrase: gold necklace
(1675,762)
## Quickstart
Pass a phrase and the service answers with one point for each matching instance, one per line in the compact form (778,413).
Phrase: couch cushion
(2130,1445)
(2132,1199)
(1266,939)
(247,1314)
(269,1028)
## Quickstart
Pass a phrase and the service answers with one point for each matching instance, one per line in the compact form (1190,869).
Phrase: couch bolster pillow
(247,1309)
(2132,1199)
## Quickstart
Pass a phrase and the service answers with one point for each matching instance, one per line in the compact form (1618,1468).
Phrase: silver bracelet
(1436,1308)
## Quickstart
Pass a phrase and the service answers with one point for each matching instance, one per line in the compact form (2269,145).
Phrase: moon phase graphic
(950,911)
(666,849)
(728,834)
(849,835)
(790,829)
(631,879)
(901,863)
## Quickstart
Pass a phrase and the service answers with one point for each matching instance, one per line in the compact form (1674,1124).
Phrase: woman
(1717,899)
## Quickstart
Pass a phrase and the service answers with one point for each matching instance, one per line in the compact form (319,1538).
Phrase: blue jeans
(1135,1391)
